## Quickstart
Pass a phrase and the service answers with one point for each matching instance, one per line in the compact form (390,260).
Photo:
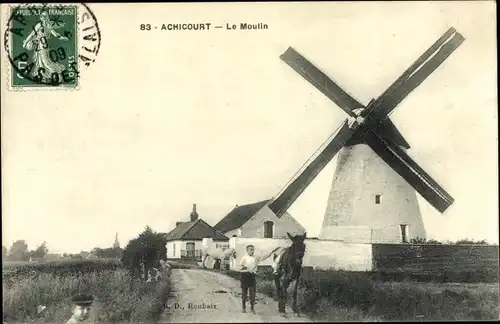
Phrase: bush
(148,248)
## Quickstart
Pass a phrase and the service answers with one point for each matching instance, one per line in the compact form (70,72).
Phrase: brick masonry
(426,258)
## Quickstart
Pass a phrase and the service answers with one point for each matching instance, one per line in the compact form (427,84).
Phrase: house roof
(239,216)
(196,230)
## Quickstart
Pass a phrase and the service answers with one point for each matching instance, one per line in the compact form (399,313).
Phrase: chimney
(194,214)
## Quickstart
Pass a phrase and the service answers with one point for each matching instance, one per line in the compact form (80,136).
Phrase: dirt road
(204,296)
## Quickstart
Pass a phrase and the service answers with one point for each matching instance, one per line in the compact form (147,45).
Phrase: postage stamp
(45,45)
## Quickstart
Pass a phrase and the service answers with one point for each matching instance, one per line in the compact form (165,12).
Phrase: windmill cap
(83,300)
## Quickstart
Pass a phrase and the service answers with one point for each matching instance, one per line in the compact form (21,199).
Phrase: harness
(285,268)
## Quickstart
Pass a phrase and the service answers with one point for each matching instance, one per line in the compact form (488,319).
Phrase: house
(185,240)
(258,221)
(33,259)
(91,256)
(52,257)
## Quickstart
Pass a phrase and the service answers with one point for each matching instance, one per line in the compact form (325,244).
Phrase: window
(190,249)
(404,233)
(378,199)
(268,229)
(173,251)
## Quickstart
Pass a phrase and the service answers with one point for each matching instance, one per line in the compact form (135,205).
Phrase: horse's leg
(284,295)
(279,292)
(277,285)
(294,304)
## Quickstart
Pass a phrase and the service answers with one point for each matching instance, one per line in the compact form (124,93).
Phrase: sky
(163,119)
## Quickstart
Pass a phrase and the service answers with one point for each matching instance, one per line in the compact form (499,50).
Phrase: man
(81,308)
(166,267)
(217,264)
(249,264)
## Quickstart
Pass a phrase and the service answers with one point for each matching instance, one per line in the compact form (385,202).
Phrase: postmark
(50,45)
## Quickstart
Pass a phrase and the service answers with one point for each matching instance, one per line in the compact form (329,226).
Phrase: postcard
(249,162)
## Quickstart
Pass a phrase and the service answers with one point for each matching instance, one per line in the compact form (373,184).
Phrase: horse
(289,270)
(217,254)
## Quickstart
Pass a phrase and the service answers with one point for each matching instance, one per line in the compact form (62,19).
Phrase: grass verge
(119,298)
(346,296)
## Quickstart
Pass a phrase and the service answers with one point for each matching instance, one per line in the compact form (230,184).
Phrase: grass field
(118,297)
(346,296)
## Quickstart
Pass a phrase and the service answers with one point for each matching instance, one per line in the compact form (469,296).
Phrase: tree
(148,248)
(111,253)
(40,251)
(19,251)
(4,252)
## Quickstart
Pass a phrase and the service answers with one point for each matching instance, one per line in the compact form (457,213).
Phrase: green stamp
(42,42)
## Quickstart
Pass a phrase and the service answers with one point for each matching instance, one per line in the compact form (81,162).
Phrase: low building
(185,240)
(257,221)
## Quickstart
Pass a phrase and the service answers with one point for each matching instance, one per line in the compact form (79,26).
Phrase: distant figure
(217,264)
(166,267)
(249,264)
(142,268)
(153,275)
(81,308)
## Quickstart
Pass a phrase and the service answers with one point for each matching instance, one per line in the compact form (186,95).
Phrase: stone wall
(319,254)
(427,258)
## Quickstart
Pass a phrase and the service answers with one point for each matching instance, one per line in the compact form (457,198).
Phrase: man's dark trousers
(247,286)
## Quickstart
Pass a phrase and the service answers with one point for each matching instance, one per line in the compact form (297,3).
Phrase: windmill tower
(369,201)
(373,196)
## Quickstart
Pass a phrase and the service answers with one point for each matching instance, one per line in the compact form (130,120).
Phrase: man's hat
(83,300)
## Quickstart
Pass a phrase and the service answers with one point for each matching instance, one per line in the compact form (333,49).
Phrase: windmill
(364,142)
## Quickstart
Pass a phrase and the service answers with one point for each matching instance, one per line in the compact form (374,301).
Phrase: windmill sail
(291,192)
(377,131)
(419,71)
(421,60)
(410,171)
(322,82)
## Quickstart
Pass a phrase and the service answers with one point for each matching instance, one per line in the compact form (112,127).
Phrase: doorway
(404,233)
(190,250)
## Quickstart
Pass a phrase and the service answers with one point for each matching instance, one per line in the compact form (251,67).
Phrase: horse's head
(298,248)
